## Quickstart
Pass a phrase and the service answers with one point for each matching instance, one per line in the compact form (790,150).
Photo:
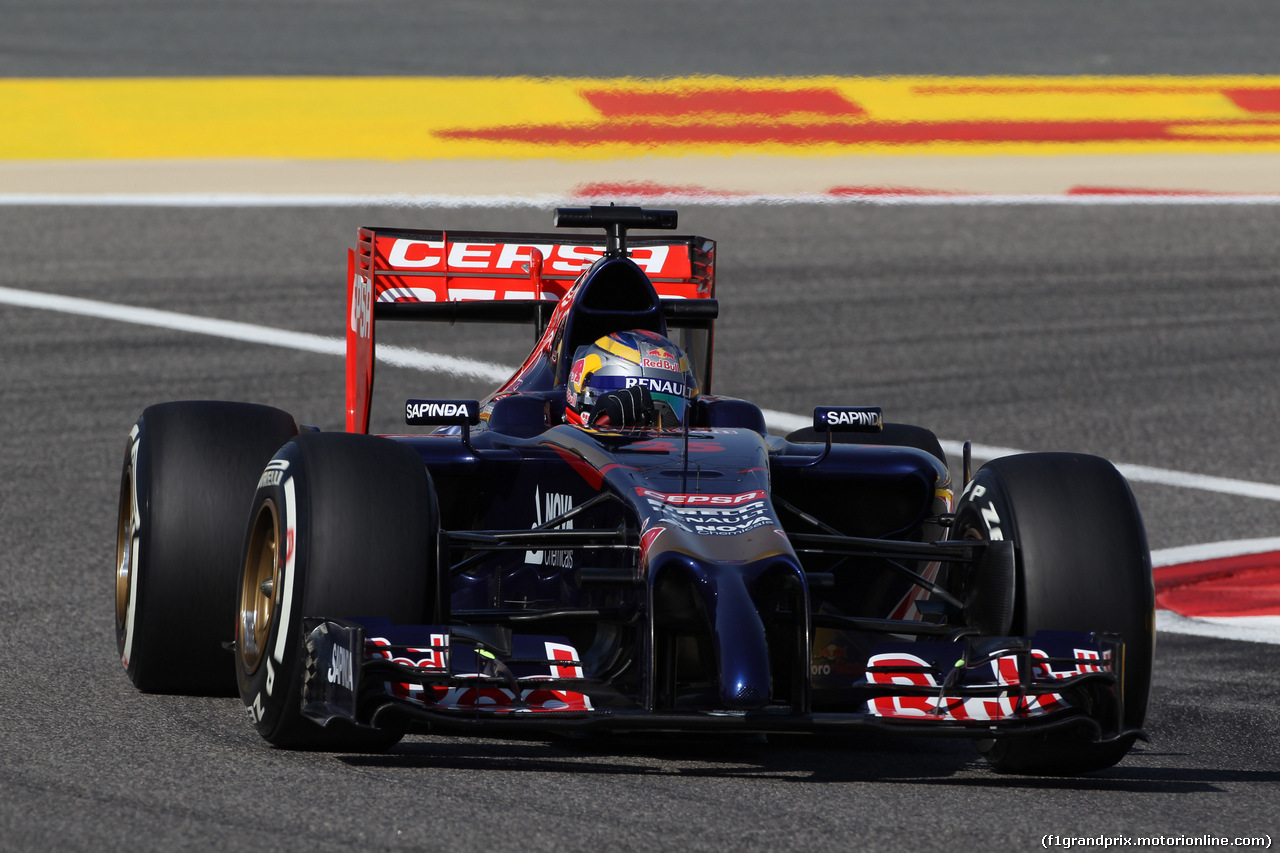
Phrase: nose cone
(742,650)
(736,633)
(731,593)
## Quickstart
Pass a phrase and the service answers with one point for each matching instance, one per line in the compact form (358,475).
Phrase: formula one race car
(603,545)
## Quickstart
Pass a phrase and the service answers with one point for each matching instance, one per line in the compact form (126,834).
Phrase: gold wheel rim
(259,589)
(124,548)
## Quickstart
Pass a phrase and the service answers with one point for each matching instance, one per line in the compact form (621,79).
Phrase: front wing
(371,673)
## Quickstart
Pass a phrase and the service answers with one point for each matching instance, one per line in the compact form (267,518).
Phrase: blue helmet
(622,360)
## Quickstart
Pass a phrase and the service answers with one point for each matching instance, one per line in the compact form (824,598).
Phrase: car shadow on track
(847,758)
(852,758)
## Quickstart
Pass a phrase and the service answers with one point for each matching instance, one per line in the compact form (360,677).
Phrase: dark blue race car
(604,545)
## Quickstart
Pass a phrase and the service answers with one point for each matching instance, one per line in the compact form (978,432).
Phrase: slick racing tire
(1081,564)
(344,526)
(899,435)
(188,479)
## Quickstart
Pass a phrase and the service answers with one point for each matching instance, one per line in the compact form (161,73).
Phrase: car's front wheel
(342,526)
(1081,564)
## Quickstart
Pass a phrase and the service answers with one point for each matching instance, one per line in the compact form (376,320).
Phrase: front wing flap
(357,667)
(986,681)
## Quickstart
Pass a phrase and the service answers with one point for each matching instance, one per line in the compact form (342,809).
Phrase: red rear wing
(489,276)
(440,266)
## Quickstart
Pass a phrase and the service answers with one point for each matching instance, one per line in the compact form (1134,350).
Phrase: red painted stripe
(646,189)
(584,468)
(1255,100)
(853,133)
(1247,585)
(773,102)
(653,189)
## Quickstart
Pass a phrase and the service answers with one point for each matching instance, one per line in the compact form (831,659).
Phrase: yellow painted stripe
(437,118)
(308,118)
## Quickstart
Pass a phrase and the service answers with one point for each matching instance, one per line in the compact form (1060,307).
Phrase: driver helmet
(626,359)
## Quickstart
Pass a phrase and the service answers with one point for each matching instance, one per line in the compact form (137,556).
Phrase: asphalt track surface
(82,38)
(1147,334)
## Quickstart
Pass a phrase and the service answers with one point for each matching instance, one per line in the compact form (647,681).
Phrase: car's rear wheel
(188,477)
(1082,564)
(342,526)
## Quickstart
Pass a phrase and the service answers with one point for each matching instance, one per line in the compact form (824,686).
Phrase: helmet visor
(670,394)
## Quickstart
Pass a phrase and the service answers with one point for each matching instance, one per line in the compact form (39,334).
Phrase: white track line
(250,333)
(1252,629)
(1264,629)
(786,421)
(545,200)
(1213,551)
(490,372)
